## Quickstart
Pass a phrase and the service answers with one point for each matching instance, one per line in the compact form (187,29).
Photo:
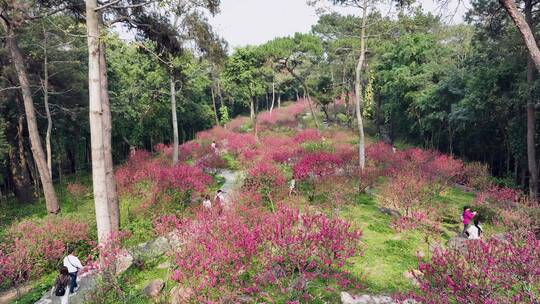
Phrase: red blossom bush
(264,178)
(307,135)
(476,175)
(237,142)
(141,167)
(180,177)
(246,249)
(498,196)
(211,162)
(316,164)
(409,193)
(33,246)
(486,272)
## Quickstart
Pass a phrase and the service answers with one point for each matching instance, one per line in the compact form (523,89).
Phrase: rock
(153,289)
(390,212)
(124,260)
(347,298)
(180,295)
(244,299)
(152,249)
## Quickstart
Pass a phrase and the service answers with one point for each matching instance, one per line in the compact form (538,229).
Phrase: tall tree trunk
(279,100)
(524,29)
(531,115)
(273,96)
(358,91)
(254,115)
(46,102)
(51,200)
(22,185)
(174,120)
(99,174)
(112,193)
(214,104)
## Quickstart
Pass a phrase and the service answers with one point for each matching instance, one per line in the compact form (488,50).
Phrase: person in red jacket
(466,217)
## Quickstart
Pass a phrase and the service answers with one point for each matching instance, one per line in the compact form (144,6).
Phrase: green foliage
(242,73)
(224,114)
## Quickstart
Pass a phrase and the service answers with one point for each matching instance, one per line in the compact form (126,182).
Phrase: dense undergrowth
(336,230)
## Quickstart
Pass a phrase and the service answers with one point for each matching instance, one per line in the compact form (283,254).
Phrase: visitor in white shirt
(474,232)
(73,265)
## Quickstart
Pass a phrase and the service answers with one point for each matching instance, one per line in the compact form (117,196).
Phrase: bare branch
(106,5)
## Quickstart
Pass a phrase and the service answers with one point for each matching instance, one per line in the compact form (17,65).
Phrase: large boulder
(154,288)
(124,260)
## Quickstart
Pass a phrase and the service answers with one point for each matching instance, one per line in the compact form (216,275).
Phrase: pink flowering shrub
(443,170)
(181,178)
(141,167)
(211,162)
(31,247)
(410,194)
(318,164)
(164,150)
(494,271)
(477,176)
(307,135)
(499,196)
(266,179)
(237,142)
(247,249)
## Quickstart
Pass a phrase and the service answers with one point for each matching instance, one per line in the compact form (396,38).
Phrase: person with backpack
(474,232)
(61,285)
(73,265)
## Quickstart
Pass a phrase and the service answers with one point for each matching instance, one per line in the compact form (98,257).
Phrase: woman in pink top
(466,217)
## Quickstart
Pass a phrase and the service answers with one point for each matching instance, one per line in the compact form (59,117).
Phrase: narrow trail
(154,248)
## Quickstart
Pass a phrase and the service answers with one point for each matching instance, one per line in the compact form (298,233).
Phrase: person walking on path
(206,202)
(292,186)
(73,265)
(63,281)
(466,217)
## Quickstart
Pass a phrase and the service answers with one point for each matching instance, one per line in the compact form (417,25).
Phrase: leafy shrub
(492,271)
(31,247)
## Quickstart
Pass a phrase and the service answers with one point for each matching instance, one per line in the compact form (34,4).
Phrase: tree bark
(273,96)
(20,176)
(112,193)
(279,100)
(524,29)
(51,200)
(99,178)
(46,103)
(174,120)
(214,104)
(358,92)
(531,115)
